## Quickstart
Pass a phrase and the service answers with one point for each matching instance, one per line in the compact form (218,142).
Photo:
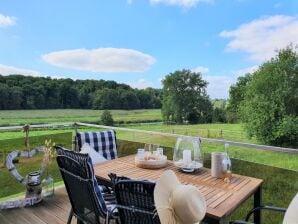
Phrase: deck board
(54,210)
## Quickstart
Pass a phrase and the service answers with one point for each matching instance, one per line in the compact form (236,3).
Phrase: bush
(270,104)
(107,118)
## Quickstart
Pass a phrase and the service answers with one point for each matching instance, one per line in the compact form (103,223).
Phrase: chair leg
(70,217)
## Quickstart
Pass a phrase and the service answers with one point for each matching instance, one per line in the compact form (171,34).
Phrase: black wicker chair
(87,201)
(135,201)
(269,208)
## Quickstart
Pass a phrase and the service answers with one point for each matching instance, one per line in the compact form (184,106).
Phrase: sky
(139,42)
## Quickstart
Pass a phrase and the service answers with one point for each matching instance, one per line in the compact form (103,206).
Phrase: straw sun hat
(177,203)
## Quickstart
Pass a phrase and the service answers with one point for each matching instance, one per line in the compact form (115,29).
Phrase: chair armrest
(270,208)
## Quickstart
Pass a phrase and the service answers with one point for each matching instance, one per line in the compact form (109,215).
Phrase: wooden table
(222,198)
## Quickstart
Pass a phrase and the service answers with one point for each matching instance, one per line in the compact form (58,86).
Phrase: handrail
(210,140)
(38,126)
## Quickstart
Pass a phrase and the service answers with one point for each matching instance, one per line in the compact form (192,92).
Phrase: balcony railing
(277,166)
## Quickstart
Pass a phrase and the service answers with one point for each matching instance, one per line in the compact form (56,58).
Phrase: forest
(26,92)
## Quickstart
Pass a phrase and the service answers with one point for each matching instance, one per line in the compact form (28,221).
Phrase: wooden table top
(222,198)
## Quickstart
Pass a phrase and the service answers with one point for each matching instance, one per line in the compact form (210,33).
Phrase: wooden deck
(222,198)
(51,210)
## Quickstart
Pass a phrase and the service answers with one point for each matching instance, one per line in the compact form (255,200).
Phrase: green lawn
(16,117)
(233,132)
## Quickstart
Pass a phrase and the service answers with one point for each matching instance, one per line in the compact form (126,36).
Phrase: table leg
(257,203)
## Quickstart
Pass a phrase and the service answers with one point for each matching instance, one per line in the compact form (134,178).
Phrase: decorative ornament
(33,180)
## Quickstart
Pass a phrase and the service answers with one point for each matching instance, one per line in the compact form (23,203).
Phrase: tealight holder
(187,154)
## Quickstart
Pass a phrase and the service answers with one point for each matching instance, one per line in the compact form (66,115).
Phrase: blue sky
(138,42)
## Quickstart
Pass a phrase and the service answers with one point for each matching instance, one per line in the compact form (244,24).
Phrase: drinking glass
(148,147)
(148,151)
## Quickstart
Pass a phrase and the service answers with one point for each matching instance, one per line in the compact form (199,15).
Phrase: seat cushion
(95,156)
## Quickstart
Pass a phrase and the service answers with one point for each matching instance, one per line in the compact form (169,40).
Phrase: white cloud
(11,70)
(181,3)
(200,69)
(141,84)
(262,37)
(7,20)
(129,2)
(218,87)
(243,71)
(101,60)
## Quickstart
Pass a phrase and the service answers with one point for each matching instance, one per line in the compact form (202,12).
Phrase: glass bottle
(48,187)
(227,165)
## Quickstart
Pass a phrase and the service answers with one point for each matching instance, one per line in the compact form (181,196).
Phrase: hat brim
(164,188)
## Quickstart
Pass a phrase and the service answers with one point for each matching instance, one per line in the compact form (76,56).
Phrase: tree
(4,96)
(270,104)
(26,92)
(236,96)
(219,111)
(107,118)
(106,99)
(129,100)
(185,98)
(219,115)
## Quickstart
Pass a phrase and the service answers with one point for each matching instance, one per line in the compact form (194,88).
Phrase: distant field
(233,132)
(20,117)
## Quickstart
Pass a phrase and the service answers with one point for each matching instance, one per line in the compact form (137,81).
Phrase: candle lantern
(187,154)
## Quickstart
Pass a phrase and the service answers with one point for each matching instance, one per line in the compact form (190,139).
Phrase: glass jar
(187,154)
(48,187)
(33,184)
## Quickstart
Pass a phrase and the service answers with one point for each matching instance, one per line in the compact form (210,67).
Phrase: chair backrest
(135,202)
(84,194)
(103,142)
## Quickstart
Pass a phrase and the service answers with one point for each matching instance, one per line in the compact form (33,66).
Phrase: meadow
(21,117)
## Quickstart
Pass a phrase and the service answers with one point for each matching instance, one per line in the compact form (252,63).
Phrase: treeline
(26,92)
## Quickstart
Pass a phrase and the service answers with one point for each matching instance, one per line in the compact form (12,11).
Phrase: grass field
(20,117)
(233,132)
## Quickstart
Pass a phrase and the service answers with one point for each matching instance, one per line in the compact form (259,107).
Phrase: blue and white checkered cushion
(104,142)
